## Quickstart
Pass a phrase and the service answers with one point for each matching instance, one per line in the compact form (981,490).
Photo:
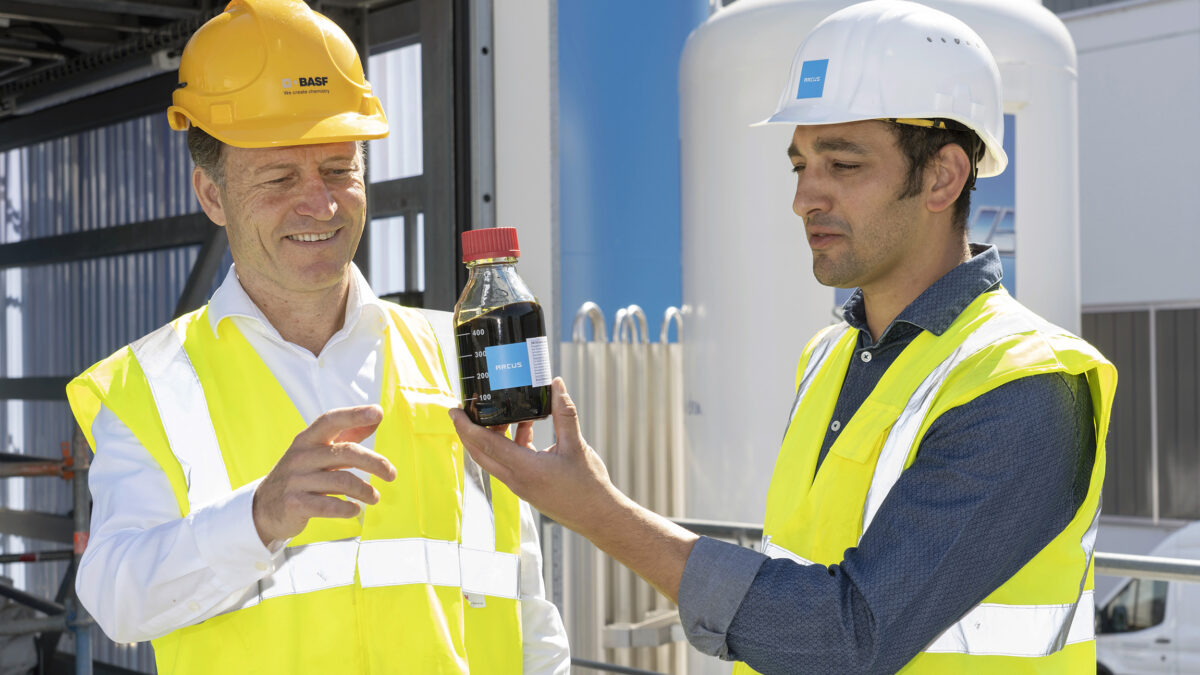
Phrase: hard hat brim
(269,133)
(993,163)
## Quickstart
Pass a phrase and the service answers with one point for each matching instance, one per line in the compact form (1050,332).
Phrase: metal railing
(1112,564)
(1147,567)
(664,627)
(611,667)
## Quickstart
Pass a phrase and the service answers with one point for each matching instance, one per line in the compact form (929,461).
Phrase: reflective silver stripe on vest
(904,433)
(312,567)
(305,569)
(1019,630)
(993,629)
(397,562)
(776,551)
(1026,630)
(474,565)
(183,410)
(816,359)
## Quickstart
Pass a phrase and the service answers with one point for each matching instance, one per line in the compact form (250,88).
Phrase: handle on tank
(625,327)
(672,314)
(589,310)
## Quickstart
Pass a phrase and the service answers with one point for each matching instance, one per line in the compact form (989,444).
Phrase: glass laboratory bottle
(503,354)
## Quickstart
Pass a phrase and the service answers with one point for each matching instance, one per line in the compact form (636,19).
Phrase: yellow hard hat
(273,72)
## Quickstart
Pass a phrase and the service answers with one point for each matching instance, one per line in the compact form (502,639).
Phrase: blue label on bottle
(508,366)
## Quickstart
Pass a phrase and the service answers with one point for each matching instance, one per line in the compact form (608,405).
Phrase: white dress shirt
(147,572)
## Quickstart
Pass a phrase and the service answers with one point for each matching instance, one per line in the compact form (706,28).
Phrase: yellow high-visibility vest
(427,581)
(1041,619)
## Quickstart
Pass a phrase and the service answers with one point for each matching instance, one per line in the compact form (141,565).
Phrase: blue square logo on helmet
(812,79)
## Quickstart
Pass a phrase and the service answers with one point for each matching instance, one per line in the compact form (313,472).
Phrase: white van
(1147,626)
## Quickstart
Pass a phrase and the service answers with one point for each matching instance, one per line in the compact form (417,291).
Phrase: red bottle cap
(490,242)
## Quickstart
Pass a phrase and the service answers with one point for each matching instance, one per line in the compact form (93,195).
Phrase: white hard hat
(898,60)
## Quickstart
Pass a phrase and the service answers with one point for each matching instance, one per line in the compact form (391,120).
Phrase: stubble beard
(836,273)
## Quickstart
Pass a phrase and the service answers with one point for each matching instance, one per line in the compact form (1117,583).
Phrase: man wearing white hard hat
(935,501)
(276,486)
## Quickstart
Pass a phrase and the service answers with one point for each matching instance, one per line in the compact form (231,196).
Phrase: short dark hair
(921,144)
(207,153)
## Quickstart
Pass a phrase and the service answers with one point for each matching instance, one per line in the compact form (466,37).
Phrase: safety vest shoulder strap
(178,396)
(816,352)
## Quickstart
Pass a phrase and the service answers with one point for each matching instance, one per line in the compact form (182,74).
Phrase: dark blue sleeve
(994,481)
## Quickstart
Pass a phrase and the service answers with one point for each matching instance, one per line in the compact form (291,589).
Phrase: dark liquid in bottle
(504,325)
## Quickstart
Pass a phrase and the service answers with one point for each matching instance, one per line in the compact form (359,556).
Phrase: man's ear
(951,170)
(209,195)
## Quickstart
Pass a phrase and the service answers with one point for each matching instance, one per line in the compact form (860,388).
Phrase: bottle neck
(493,282)
(474,264)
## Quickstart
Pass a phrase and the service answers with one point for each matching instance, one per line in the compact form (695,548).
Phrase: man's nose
(812,196)
(316,200)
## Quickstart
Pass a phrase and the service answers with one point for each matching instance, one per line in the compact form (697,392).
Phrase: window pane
(1141,604)
(419,255)
(387,255)
(1151,604)
(1115,616)
(396,78)
(398,254)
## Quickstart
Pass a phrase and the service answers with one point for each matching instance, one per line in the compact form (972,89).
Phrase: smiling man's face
(294,214)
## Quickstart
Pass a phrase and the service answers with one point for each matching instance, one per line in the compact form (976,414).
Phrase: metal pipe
(23,626)
(34,54)
(611,668)
(79,621)
(35,556)
(65,21)
(20,61)
(1147,567)
(154,9)
(29,600)
(27,469)
(721,529)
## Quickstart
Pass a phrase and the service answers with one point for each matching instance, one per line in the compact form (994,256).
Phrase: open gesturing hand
(304,480)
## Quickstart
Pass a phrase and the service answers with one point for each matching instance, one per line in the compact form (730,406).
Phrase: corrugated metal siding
(61,318)
(1178,338)
(1124,337)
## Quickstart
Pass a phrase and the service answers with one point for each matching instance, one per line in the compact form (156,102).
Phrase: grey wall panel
(1178,340)
(1124,338)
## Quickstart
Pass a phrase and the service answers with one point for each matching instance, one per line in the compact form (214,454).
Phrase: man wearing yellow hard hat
(276,485)
(934,504)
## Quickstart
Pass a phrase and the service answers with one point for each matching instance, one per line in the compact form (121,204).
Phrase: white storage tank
(749,293)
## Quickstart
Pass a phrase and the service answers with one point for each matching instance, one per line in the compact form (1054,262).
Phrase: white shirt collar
(230,300)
